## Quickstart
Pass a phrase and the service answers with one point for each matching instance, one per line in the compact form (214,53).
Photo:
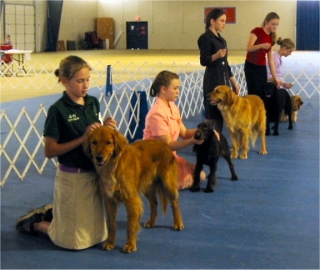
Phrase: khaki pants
(78,213)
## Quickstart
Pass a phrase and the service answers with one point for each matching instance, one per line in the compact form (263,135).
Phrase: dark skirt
(211,79)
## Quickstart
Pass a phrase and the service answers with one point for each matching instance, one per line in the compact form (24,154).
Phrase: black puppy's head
(270,90)
(204,131)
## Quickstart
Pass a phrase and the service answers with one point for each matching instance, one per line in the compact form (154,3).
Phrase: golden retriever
(245,118)
(126,170)
(296,103)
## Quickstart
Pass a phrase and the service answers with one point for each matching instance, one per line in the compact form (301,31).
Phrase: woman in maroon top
(260,44)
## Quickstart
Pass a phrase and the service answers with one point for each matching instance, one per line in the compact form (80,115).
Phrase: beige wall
(172,24)
(77,18)
(178,24)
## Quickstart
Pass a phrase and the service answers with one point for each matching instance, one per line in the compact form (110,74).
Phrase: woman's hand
(236,88)
(89,129)
(265,46)
(277,83)
(221,53)
(195,141)
(110,122)
(287,85)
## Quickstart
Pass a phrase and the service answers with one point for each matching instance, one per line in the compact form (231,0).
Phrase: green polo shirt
(67,121)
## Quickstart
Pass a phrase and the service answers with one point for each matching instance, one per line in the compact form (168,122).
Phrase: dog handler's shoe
(24,224)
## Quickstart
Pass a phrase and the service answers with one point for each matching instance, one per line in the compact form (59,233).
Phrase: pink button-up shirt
(162,120)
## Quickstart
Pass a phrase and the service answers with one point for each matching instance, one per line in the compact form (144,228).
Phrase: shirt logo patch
(73,117)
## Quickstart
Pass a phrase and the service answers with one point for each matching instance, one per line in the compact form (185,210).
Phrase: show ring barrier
(126,99)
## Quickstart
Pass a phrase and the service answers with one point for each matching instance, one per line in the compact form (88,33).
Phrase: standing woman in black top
(214,56)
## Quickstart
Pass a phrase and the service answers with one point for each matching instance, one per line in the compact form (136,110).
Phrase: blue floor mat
(267,219)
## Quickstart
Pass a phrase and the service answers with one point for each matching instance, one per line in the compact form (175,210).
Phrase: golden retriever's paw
(128,248)
(263,152)
(149,224)
(178,226)
(244,156)
(234,155)
(108,246)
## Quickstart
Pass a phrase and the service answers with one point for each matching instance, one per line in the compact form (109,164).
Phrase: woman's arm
(177,145)
(251,47)
(187,139)
(272,68)
(219,54)
(186,133)
(235,85)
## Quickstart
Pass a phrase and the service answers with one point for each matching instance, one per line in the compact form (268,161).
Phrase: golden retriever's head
(104,144)
(296,102)
(222,95)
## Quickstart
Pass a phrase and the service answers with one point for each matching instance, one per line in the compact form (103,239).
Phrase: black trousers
(256,77)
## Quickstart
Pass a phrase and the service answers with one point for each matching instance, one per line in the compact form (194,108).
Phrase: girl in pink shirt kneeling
(163,122)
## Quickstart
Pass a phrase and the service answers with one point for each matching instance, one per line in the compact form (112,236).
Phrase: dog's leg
(153,203)
(196,183)
(226,156)
(283,117)
(225,153)
(111,209)
(288,111)
(290,121)
(294,116)
(169,192)
(212,179)
(262,132)
(276,125)
(235,145)
(134,208)
(245,144)
(268,126)
(177,217)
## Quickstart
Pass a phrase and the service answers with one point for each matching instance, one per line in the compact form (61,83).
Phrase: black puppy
(208,153)
(275,101)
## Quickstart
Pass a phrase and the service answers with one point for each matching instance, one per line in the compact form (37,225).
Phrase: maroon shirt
(259,57)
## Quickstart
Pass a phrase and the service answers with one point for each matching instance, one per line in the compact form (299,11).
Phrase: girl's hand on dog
(92,127)
(110,122)
(217,134)
(89,129)
(195,141)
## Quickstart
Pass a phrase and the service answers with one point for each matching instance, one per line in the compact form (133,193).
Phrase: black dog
(275,101)
(208,153)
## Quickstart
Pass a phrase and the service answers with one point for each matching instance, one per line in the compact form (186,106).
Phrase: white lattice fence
(305,79)
(22,143)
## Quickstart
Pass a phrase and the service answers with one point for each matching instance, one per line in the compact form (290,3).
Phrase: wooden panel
(61,45)
(105,30)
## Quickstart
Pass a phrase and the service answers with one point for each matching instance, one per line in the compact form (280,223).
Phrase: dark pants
(256,77)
